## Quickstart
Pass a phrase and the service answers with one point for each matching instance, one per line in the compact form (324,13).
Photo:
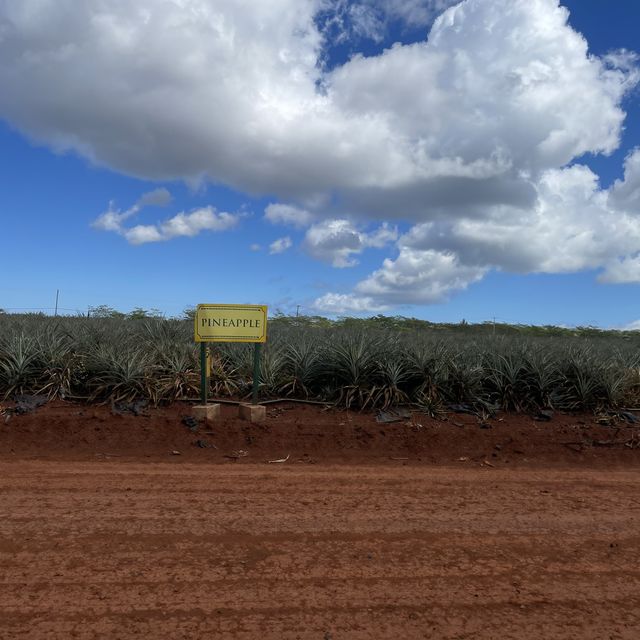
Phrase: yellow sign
(231,323)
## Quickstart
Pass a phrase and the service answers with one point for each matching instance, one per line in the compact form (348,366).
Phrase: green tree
(104,311)
(189,313)
(140,314)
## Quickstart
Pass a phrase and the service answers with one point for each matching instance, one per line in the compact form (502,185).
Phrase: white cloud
(195,88)
(255,247)
(571,227)
(182,225)
(142,234)
(383,235)
(625,193)
(420,277)
(624,270)
(286,214)
(333,241)
(338,303)
(468,135)
(338,241)
(157,198)
(112,219)
(280,245)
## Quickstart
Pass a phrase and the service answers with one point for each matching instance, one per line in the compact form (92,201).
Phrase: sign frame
(259,311)
(244,313)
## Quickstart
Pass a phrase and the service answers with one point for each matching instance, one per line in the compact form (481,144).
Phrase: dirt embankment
(310,434)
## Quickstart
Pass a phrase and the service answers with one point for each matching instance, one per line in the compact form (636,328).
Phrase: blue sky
(298,157)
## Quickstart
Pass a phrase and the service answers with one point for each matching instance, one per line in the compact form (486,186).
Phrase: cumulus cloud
(380,237)
(195,88)
(112,219)
(157,198)
(468,135)
(414,277)
(624,270)
(289,215)
(339,303)
(280,245)
(422,277)
(572,227)
(625,193)
(569,228)
(338,241)
(182,224)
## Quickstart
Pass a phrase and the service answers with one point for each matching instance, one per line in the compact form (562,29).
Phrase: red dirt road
(117,550)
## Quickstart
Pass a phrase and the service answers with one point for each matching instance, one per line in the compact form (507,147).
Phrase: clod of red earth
(64,430)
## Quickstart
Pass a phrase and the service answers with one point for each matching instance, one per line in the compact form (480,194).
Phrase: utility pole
(297,310)
(57,296)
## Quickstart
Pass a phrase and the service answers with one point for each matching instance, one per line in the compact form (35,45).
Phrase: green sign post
(204,374)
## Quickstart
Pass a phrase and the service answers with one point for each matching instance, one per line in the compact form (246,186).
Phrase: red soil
(105,534)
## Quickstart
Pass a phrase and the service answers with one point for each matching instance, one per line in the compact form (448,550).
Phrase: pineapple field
(362,365)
